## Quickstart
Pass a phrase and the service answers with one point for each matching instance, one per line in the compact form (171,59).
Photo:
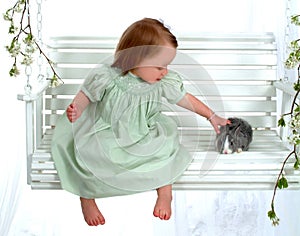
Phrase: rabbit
(234,137)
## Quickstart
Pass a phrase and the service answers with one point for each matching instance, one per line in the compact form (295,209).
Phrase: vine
(292,62)
(23,45)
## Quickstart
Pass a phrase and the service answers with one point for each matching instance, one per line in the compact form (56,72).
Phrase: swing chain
(28,68)
(287,35)
(39,18)
(28,87)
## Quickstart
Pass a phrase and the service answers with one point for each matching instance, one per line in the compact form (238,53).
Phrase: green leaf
(285,183)
(271,214)
(281,122)
(55,81)
(14,71)
(12,29)
(294,45)
(282,183)
(7,17)
(295,19)
(296,165)
(279,184)
(28,39)
(273,217)
(296,86)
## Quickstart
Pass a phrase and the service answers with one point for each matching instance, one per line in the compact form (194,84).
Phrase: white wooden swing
(239,79)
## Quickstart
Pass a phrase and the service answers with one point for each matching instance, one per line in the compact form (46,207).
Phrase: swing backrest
(233,74)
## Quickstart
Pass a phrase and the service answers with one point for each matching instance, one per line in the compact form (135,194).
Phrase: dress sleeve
(96,83)
(173,89)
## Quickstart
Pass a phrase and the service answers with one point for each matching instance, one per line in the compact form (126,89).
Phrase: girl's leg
(162,207)
(91,213)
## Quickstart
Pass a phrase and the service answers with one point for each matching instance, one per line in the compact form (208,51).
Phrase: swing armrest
(288,94)
(34,95)
(33,109)
(286,88)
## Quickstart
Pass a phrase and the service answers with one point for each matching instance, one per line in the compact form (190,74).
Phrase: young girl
(113,139)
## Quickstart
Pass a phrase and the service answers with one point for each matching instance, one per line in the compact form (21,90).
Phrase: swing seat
(235,74)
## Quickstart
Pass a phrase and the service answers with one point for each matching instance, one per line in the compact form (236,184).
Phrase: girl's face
(151,74)
(154,69)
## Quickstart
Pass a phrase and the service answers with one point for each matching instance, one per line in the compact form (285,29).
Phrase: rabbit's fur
(234,137)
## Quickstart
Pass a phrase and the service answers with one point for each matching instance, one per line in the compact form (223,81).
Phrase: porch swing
(237,77)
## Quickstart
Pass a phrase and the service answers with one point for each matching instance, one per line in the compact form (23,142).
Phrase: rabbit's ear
(237,131)
(220,139)
(223,129)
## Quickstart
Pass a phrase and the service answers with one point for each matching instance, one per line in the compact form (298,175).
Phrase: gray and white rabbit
(234,137)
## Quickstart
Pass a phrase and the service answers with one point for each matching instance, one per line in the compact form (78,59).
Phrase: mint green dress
(122,143)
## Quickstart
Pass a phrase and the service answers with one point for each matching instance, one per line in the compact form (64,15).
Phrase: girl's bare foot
(91,213)
(162,207)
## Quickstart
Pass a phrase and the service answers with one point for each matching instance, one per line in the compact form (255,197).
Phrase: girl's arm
(75,109)
(191,103)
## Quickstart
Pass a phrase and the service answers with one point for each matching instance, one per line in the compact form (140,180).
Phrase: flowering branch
(294,123)
(24,48)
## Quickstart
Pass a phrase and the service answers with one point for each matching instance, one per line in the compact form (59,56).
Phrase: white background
(42,213)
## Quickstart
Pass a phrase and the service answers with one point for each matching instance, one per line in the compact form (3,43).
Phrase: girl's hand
(216,121)
(73,112)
